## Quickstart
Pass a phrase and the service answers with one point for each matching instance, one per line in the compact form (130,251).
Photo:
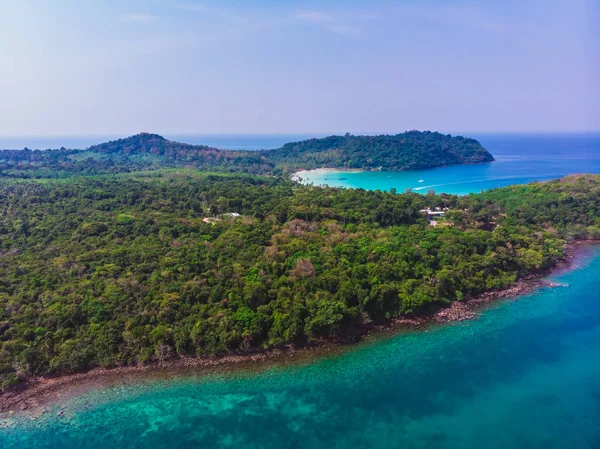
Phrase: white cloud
(143,18)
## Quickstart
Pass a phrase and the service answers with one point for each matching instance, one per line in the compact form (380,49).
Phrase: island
(142,251)
(411,150)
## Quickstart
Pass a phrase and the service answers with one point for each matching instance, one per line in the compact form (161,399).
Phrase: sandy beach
(300,175)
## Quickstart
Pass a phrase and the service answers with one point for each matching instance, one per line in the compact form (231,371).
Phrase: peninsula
(117,269)
(411,150)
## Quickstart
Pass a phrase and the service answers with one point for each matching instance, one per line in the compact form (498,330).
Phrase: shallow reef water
(524,374)
(520,159)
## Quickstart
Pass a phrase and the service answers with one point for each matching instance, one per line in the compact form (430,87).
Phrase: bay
(524,374)
(520,159)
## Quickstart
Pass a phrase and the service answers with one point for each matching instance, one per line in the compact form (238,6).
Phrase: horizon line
(306,133)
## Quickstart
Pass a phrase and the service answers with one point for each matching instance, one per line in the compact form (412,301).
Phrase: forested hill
(146,143)
(407,151)
(412,150)
(117,270)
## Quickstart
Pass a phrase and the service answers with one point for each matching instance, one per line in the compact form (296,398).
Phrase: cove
(524,374)
(520,159)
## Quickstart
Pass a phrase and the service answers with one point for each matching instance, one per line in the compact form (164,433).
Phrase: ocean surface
(524,375)
(520,159)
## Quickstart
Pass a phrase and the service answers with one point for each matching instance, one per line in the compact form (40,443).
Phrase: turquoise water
(524,374)
(520,159)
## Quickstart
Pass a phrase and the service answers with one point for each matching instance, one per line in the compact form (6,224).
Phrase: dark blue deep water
(525,374)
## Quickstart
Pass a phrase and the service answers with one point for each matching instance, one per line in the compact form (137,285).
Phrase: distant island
(412,150)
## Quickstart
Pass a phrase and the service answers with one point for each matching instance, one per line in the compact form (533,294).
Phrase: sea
(520,159)
(524,374)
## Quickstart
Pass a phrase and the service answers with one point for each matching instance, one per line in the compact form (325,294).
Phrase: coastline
(297,176)
(38,395)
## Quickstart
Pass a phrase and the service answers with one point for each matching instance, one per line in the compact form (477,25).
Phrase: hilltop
(411,150)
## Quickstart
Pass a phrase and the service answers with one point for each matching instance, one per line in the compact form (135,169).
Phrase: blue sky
(77,67)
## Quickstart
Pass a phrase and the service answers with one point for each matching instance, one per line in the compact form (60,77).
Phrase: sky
(88,67)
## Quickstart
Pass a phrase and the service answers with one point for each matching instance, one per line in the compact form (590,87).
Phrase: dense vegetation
(411,150)
(123,269)
(135,153)
(407,151)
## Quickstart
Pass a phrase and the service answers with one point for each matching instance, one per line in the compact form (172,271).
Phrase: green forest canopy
(123,269)
(407,151)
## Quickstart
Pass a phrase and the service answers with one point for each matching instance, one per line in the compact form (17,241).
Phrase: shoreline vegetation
(411,150)
(143,251)
(112,271)
(38,396)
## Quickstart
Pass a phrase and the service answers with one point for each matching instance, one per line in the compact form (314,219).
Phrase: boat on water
(421,180)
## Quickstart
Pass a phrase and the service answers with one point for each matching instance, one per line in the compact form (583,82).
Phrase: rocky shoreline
(36,395)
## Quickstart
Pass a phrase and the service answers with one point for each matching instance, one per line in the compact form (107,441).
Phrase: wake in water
(499,178)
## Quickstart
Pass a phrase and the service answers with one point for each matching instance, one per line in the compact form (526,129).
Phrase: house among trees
(431,214)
